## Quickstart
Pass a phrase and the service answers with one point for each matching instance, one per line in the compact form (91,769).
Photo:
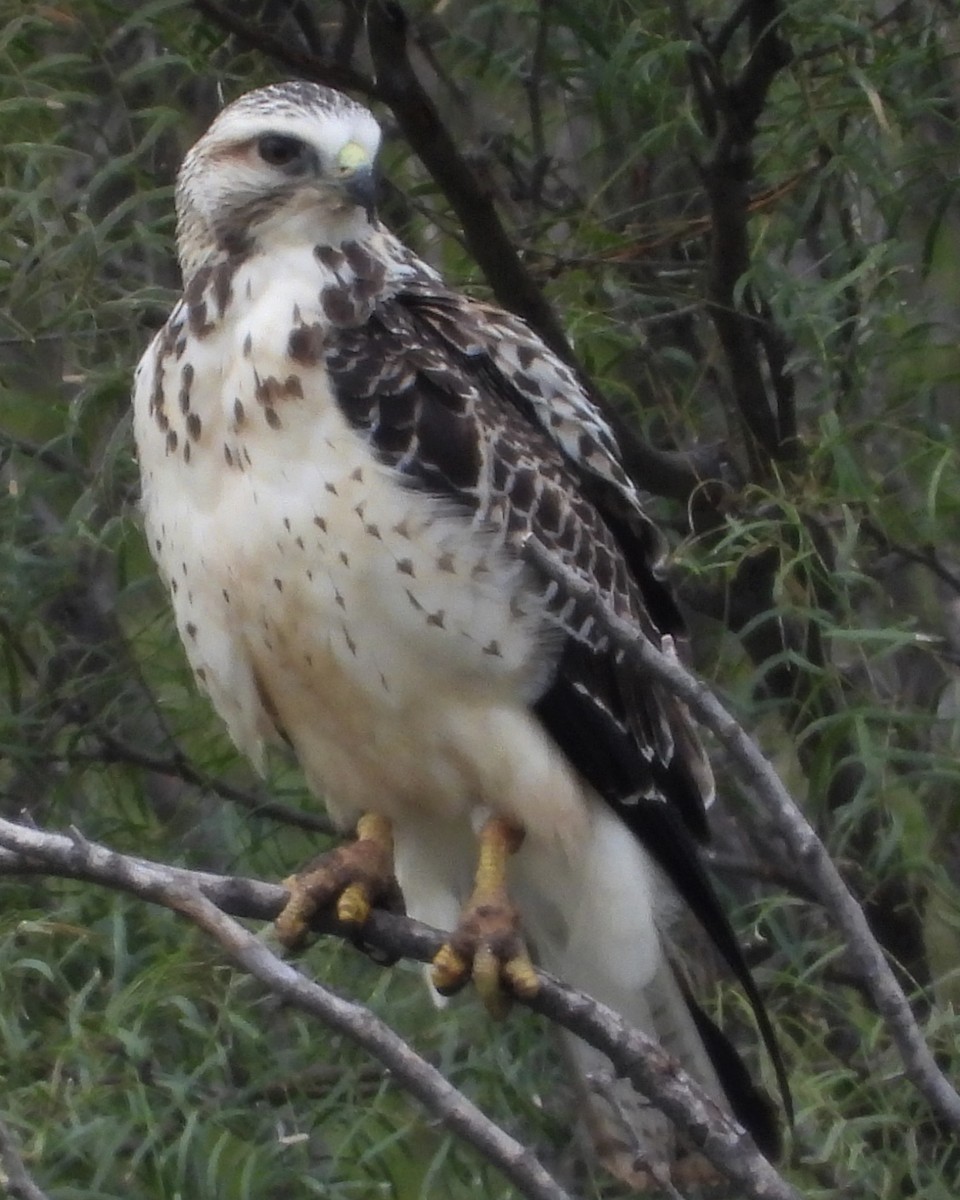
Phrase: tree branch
(15,1176)
(335,74)
(64,463)
(808,851)
(796,673)
(187,893)
(664,473)
(926,556)
(732,109)
(207,900)
(417,116)
(178,765)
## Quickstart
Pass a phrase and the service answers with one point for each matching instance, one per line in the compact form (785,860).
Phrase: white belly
(387,636)
(377,628)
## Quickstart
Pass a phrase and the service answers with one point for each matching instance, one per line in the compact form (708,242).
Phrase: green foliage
(824,589)
(131,1054)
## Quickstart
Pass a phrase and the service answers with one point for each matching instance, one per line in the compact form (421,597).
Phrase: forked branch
(807,850)
(208,899)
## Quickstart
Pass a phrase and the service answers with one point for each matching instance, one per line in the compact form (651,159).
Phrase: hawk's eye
(279,150)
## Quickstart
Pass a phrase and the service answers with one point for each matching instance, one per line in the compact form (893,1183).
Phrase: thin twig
(732,108)
(417,115)
(306,23)
(806,848)
(770,874)
(179,890)
(533,84)
(413,1073)
(178,766)
(350,30)
(45,455)
(925,557)
(207,898)
(310,66)
(60,335)
(16,1178)
(720,41)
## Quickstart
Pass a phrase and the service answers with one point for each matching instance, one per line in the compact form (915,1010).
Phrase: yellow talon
(449,971)
(374,828)
(293,923)
(353,905)
(521,974)
(486,978)
(487,943)
(347,881)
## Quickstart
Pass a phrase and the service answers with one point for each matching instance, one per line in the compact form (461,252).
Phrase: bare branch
(926,556)
(417,116)
(184,892)
(178,765)
(785,650)
(533,83)
(335,74)
(13,1172)
(306,23)
(53,459)
(413,1073)
(808,851)
(770,874)
(724,35)
(207,899)
(731,109)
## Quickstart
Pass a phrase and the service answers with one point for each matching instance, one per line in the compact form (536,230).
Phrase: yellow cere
(353,156)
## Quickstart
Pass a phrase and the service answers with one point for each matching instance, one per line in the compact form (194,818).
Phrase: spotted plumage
(343,461)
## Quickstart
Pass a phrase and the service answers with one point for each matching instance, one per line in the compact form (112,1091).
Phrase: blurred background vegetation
(749,233)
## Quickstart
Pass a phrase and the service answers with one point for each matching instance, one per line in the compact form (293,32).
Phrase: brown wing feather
(464,400)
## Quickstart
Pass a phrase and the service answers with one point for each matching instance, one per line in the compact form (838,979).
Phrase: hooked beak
(361,187)
(358,177)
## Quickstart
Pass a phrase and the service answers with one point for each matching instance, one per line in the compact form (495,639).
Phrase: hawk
(343,460)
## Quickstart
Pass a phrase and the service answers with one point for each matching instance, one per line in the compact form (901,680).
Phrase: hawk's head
(289,163)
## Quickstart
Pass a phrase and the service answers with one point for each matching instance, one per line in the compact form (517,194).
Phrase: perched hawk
(343,461)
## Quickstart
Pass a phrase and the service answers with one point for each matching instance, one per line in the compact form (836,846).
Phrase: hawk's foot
(348,882)
(488,948)
(487,945)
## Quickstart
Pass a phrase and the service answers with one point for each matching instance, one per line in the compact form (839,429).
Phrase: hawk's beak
(361,187)
(358,177)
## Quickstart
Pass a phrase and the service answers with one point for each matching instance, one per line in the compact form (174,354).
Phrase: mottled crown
(295,98)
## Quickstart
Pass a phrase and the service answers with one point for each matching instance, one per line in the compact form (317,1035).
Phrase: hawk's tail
(630,1136)
(613,947)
